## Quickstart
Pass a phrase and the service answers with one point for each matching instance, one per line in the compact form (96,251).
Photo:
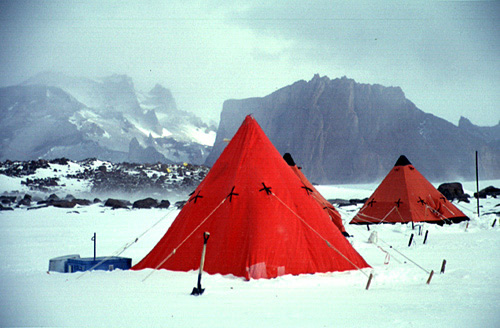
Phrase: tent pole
(477,185)
(94,240)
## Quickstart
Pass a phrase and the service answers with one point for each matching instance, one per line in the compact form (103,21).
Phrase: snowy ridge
(101,117)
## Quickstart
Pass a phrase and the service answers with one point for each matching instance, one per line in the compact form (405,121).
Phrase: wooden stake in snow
(369,281)
(443,266)
(198,290)
(411,240)
(494,222)
(430,277)
(426,234)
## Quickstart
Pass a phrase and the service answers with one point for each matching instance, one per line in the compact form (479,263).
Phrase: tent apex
(402,161)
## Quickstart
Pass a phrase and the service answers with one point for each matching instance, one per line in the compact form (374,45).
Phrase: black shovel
(198,290)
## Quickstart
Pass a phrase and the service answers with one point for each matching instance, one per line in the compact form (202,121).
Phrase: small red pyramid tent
(326,205)
(262,221)
(406,196)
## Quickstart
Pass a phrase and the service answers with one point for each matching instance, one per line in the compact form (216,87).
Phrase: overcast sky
(444,55)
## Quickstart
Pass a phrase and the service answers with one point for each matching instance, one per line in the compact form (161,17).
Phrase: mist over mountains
(338,130)
(53,115)
(341,131)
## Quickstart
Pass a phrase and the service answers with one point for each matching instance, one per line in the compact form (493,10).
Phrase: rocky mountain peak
(97,118)
(464,122)
(159,90)
(491,134)
(119,80)
(343,131)
(161,97)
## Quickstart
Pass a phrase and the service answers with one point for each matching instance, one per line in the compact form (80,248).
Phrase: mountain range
(338,130)
(342,131)
(54,115)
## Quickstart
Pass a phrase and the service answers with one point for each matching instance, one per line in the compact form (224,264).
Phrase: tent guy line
(390,246)
(127,245)
(383,219)
(319,235)
(187,237)
(397,251)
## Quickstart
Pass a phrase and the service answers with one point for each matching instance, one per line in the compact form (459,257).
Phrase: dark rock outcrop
(341,131)
(145,203)
(63,203)
(488,191)
(25,201)
(116,203)
(6,200)
(164,204)
(81,202)
(452,191)
(5,208)
(180,204)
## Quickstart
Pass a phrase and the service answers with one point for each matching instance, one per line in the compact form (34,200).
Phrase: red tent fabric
(406,196)
(262,221)
(326,205)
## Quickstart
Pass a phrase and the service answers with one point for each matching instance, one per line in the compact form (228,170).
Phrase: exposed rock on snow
(117,203)
(452,191)
(164,204)
(92,178)
(145,203)
(488,191)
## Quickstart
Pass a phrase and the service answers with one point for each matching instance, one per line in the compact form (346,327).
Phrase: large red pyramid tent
(326,205)
(262,222)
(406,196)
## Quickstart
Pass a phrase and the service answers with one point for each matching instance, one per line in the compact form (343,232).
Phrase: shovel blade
(197,291)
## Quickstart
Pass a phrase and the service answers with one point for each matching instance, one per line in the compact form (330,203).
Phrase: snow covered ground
(466,295)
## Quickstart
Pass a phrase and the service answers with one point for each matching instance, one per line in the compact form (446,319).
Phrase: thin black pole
(411,240)
(443,266)
(477,185)
(94,239)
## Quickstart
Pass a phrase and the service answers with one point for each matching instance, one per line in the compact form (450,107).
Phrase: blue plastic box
(101,263)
